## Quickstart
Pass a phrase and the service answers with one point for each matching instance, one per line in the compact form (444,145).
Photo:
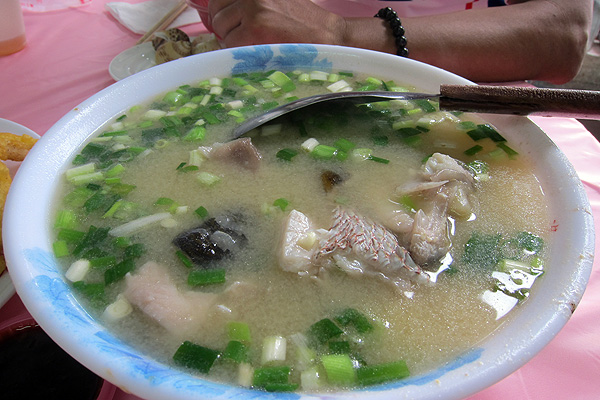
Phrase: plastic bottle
(12,28)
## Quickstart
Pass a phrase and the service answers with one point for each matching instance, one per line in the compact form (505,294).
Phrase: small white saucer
(6,287)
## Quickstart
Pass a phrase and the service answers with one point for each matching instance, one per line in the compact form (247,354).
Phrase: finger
(225,16)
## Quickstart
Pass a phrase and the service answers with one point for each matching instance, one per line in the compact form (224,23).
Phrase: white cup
(12,28)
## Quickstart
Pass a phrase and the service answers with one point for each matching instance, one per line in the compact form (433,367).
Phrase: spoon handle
(573,103)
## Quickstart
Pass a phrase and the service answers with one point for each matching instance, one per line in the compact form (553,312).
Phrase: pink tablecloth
(66,61)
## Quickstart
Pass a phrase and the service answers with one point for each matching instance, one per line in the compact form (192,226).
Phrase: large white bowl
(41,286)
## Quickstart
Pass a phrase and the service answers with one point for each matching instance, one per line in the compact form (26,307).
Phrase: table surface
(66,61)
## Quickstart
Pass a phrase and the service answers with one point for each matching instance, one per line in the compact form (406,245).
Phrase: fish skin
(357,238)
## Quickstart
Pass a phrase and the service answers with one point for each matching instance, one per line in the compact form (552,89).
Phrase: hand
(247,22)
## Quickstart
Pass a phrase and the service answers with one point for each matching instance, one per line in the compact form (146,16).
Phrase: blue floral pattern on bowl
(292,56)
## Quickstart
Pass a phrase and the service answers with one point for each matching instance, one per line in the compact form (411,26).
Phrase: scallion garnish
(184,259)
(323,330)
(191,355)
(239,331)
(339,369)
(201,212)
(286,154)
(202,277)
(378,159)
(375,374)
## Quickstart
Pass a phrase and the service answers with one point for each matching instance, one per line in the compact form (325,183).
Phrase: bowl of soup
(378,250)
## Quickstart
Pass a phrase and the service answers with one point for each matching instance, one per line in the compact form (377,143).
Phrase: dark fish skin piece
(198,245)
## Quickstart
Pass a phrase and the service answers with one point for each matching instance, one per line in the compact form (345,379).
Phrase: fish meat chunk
(180,312)
(240,151)
(296,252)
(442,167)
(430,237)
(361,246)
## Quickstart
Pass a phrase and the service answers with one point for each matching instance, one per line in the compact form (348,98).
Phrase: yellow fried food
(5,181)
(14,147)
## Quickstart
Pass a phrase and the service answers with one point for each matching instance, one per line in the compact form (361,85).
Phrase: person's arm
(530,39)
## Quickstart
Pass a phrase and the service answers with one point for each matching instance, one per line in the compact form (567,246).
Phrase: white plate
(6,287)
(132,61)
(142,56)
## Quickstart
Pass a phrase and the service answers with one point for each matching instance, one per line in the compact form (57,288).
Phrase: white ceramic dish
(6,287)
(131,61)
(48,298)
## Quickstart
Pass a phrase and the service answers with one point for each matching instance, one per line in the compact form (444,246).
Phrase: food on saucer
(5,181)
(15,147)
(12,148)
(345,248)
(174,43)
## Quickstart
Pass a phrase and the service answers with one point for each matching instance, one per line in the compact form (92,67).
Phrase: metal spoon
(583,104)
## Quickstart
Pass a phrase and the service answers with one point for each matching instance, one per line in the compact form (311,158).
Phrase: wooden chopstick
(164,21)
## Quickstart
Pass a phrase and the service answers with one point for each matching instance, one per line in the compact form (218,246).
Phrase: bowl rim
(29,258)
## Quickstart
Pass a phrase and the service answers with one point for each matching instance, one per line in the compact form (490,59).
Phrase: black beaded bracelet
(389,15)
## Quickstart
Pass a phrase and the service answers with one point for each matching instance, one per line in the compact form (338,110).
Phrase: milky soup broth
(422,325)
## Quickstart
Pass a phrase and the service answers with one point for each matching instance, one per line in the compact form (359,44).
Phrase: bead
(391,17)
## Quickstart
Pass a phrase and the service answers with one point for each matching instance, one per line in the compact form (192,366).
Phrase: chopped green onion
(282,80)
(269,105)
(93,237)
(425,105)
(236,351)
(324,330)
(115,170)
(380,140)
(271,375)
(305,355)
(310,379)
(511,153)
(60,248)
(378,159)
(201,277)
(86,178)
(341,347)
(135,250)
(184,259)
(80,170)
(118,272)
(194,356)
(281,387)
(473,150)
(103,262)
(323,152)
(164,201)
(207,179)
(339,369)
(344,145)
(66,219)
(136,225)
(274,349)
(375,374)
(122,242)
(201,212)
(93,291)
(239,331)
(70,235)
(467,125)
(197,133)
(281,203)
(351,316)
(286,154)
(506,265)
